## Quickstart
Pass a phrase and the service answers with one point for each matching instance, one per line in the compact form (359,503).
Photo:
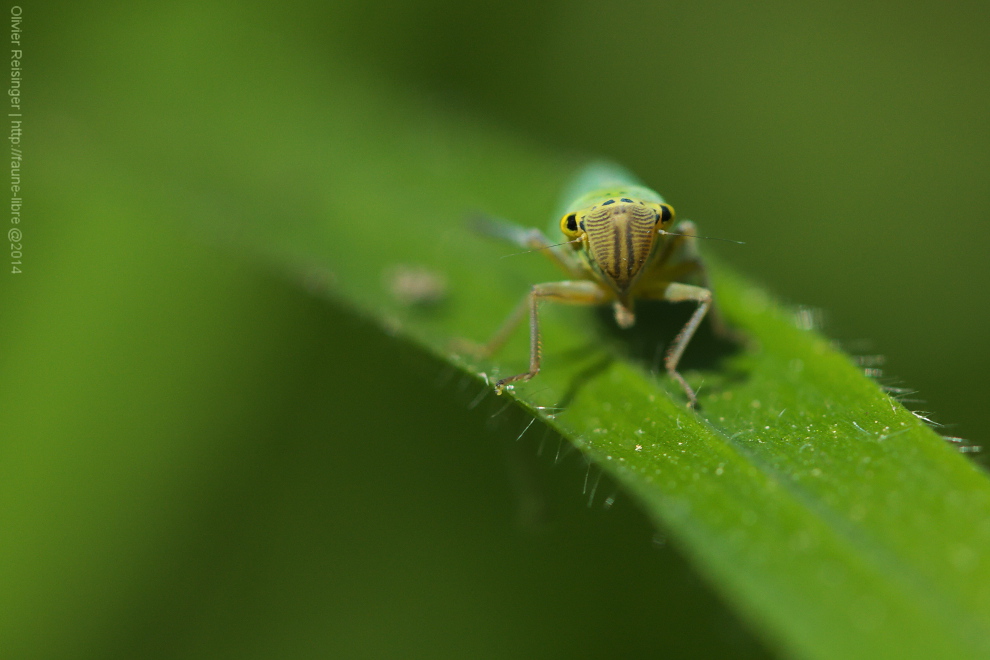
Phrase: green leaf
(833,518)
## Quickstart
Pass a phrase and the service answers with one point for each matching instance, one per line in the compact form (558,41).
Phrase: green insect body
(616,249)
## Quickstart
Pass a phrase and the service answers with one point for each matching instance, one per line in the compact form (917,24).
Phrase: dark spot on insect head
(572,222)
(626,200)
(611,201)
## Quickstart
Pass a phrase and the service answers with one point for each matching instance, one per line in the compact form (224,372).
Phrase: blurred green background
(201,459)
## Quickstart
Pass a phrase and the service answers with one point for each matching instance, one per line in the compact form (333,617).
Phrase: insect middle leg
(578,292)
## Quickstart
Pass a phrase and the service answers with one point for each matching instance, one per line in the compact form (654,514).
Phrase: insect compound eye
(569,224)
(666,214)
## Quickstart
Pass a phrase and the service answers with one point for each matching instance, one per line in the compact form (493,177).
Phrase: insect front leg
(580,292)
(677,292)
(681,258)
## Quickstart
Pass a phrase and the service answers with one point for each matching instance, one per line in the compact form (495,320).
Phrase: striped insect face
(617,236)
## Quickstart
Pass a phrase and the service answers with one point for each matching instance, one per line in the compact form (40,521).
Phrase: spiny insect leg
(580,292)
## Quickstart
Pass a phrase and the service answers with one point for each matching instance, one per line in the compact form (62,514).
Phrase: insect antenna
(542,247)
(708,238)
